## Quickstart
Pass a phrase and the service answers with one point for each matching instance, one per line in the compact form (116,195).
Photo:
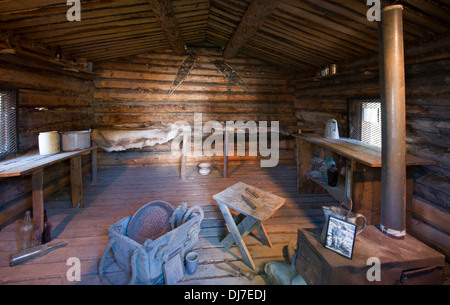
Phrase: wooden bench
(33,164)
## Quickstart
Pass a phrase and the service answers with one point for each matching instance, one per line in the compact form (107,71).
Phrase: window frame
(360,100)
(15,92)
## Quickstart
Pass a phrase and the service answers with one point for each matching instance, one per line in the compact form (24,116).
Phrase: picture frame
(340,237)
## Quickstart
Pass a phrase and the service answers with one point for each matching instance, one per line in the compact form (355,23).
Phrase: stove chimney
(392,81)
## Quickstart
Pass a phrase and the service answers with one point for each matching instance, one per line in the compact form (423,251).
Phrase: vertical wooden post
(76,180)
(183,156)
(94,166)
(37,182)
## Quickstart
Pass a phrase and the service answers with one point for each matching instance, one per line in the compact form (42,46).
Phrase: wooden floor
(120,192)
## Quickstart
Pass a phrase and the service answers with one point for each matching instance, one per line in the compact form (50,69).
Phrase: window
(364,120)
(8,122)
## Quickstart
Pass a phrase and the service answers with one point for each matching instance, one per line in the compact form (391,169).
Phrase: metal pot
(76,140)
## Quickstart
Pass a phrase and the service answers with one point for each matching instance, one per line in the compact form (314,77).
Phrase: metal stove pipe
(392,81)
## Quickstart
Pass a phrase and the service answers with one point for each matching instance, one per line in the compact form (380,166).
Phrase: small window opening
(8,122)
(364,120)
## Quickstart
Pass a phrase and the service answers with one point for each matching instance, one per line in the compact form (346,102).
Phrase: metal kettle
(331,129)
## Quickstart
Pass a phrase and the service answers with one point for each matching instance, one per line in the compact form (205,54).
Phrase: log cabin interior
(153,84)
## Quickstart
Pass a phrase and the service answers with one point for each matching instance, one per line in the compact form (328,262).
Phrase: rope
(133,267)
(101,265)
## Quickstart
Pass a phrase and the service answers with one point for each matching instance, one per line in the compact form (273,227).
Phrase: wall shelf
(337,192)
(363,172)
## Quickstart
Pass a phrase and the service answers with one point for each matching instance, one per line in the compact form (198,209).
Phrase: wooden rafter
(166,19)
(254,17)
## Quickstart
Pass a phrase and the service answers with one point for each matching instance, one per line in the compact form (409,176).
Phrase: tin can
(333,69)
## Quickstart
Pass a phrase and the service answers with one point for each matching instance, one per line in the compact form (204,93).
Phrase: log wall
(49,100)
(428,126)
(133,93)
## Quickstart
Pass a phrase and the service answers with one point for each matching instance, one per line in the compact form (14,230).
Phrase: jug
(331,129)
(343,214)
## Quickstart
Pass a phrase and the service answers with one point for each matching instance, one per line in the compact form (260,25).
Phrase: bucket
(76,140)
(49,143)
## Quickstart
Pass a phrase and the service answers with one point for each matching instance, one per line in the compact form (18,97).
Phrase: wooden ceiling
(297,34)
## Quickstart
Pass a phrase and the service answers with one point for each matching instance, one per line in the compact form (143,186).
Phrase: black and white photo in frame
(340,237)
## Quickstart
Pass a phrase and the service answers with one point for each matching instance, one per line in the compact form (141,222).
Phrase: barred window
(364,120)
(8,122)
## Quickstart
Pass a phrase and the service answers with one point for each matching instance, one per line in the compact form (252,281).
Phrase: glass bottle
(47,230)
(323,170)
(26,233)
(325,166)
(316,162)
(332,174)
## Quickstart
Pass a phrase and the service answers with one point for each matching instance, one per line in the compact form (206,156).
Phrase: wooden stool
(253,211)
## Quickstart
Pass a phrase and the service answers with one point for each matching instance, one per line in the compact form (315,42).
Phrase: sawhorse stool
(254,206)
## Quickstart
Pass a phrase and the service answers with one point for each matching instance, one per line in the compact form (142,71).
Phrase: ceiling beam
(253,18)
(166,19)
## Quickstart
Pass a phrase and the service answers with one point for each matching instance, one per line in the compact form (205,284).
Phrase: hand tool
(247,201)
(34,252)
(251,193)
(249,275)
(231,272)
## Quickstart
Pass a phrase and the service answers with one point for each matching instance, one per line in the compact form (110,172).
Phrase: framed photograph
(340,237)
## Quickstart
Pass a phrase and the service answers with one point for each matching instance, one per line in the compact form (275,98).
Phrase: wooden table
(249,218)
(184,154)
(228,133)
(33,164)
(362,182)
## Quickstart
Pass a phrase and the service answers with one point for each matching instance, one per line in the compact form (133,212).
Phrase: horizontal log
(52,99)
(336,106)
(142,120)
(434,189)
(139,159)
(431,236)
(30,80)
(428,131)
(189,85)
(198,107)
(203,66)
(202,76)
(182,96)
(35,118)
(431,214)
